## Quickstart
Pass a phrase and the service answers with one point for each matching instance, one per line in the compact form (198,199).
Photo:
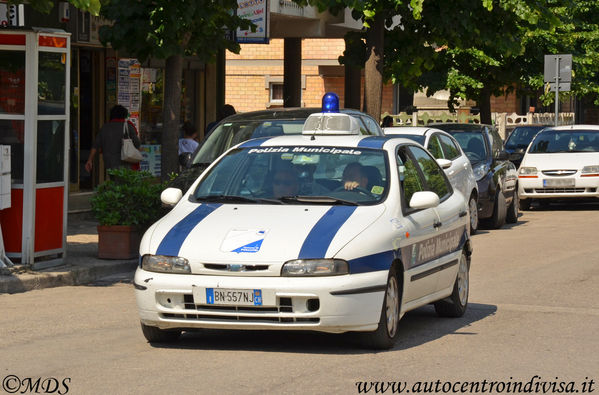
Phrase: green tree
(170,30)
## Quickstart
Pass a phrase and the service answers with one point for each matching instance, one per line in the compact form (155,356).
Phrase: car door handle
(463,213)
(437,224)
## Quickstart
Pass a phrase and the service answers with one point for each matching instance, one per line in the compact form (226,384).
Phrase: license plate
(558,182)
(234,297)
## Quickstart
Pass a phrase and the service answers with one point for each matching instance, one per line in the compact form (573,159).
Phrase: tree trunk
(373,73)
(171,115)
(484,105)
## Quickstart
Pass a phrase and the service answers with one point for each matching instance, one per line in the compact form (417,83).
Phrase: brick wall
(246,86)
(509,104)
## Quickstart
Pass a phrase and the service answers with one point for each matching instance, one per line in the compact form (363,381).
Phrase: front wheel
(499,210)
(473,209)
(455,305)
(387,332)
(512,210)
(157,335)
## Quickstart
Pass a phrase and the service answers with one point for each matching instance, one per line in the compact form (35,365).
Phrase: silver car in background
(450,157)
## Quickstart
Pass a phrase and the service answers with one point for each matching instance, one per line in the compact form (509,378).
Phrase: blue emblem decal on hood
(173,240)
(318,240)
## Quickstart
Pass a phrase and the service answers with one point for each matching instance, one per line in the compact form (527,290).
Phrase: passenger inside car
(285,182)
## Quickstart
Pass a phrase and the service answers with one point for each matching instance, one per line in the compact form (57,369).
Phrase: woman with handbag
(112,142)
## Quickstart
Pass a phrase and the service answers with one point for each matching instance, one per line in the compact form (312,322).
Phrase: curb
(74,275)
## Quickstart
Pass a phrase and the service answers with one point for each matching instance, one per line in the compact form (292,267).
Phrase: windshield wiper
(235,199)
(205,164)
(317,199)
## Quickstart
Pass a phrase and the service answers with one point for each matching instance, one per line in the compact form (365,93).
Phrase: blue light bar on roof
(330,102)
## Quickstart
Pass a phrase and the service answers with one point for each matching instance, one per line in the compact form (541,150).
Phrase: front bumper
(534,188)
(329,304)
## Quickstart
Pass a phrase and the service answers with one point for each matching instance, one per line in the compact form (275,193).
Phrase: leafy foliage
(163,28)
(129,198)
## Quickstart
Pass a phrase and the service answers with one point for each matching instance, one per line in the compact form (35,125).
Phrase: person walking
(109,140)
(188,143)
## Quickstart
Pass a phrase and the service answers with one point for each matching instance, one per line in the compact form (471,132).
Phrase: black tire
(512,210)
(387,332)
(156,335)
(525,204)
(457,303)
(499,210)
(473,211)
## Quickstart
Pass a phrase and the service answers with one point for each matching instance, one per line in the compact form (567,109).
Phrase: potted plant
(125,206)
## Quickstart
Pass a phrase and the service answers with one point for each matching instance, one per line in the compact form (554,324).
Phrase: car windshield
(414,137)
(472,143)
(228,134)
(552,141)
(297,175)
(521,137)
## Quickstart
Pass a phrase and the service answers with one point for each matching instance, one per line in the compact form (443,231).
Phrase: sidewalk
(81,265)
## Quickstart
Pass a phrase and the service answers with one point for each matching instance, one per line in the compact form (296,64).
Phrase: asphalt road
(534,310)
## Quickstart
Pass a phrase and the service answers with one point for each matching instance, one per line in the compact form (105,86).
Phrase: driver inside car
(354,177)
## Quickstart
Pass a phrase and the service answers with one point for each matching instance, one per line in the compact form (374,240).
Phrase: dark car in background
(518,141)
(495,175)
(249,125)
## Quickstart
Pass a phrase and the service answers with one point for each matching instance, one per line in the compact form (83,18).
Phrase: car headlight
(165,264)
(527,172)
(315,267)
(590,171)
(480,171)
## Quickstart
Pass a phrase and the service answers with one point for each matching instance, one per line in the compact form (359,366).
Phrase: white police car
(312,232)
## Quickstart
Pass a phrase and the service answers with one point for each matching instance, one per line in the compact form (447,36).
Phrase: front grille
(559,173)
(235,268)
(257,314)
(563,190)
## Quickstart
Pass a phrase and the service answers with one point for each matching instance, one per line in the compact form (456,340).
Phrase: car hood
(254,234)
(556,161)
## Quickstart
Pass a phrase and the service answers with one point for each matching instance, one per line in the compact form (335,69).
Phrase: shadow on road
(416,327)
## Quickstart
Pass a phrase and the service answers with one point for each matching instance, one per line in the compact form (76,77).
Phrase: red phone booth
(34,121)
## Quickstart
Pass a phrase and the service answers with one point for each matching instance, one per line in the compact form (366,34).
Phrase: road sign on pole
(557,71)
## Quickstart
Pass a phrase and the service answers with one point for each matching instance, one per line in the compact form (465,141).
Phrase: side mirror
(171,196)
(516,156)
(185,160)
(502,155)
(444,163)
(424,199)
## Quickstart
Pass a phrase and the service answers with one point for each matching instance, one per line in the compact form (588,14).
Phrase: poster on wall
(129,85)
(152,158)
(257,12)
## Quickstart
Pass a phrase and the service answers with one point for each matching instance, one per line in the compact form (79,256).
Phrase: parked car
(244,126)
(519,139)
(450,157)
(496,176)
(286,233)
(561,162)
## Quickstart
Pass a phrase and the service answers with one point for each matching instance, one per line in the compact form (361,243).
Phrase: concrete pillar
(353,83)
(292,70)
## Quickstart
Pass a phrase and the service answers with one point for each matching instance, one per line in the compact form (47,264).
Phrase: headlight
(165,264)
(590,171)
(527,172)
(480,171)
(315,267)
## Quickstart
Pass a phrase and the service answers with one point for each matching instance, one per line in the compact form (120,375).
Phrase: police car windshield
(553,141)
(228,134)
(297,175)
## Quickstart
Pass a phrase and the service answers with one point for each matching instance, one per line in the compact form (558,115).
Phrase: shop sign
(257,12)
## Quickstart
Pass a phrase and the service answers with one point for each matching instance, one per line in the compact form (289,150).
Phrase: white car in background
(561,162)
(450,157)
(294,233)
